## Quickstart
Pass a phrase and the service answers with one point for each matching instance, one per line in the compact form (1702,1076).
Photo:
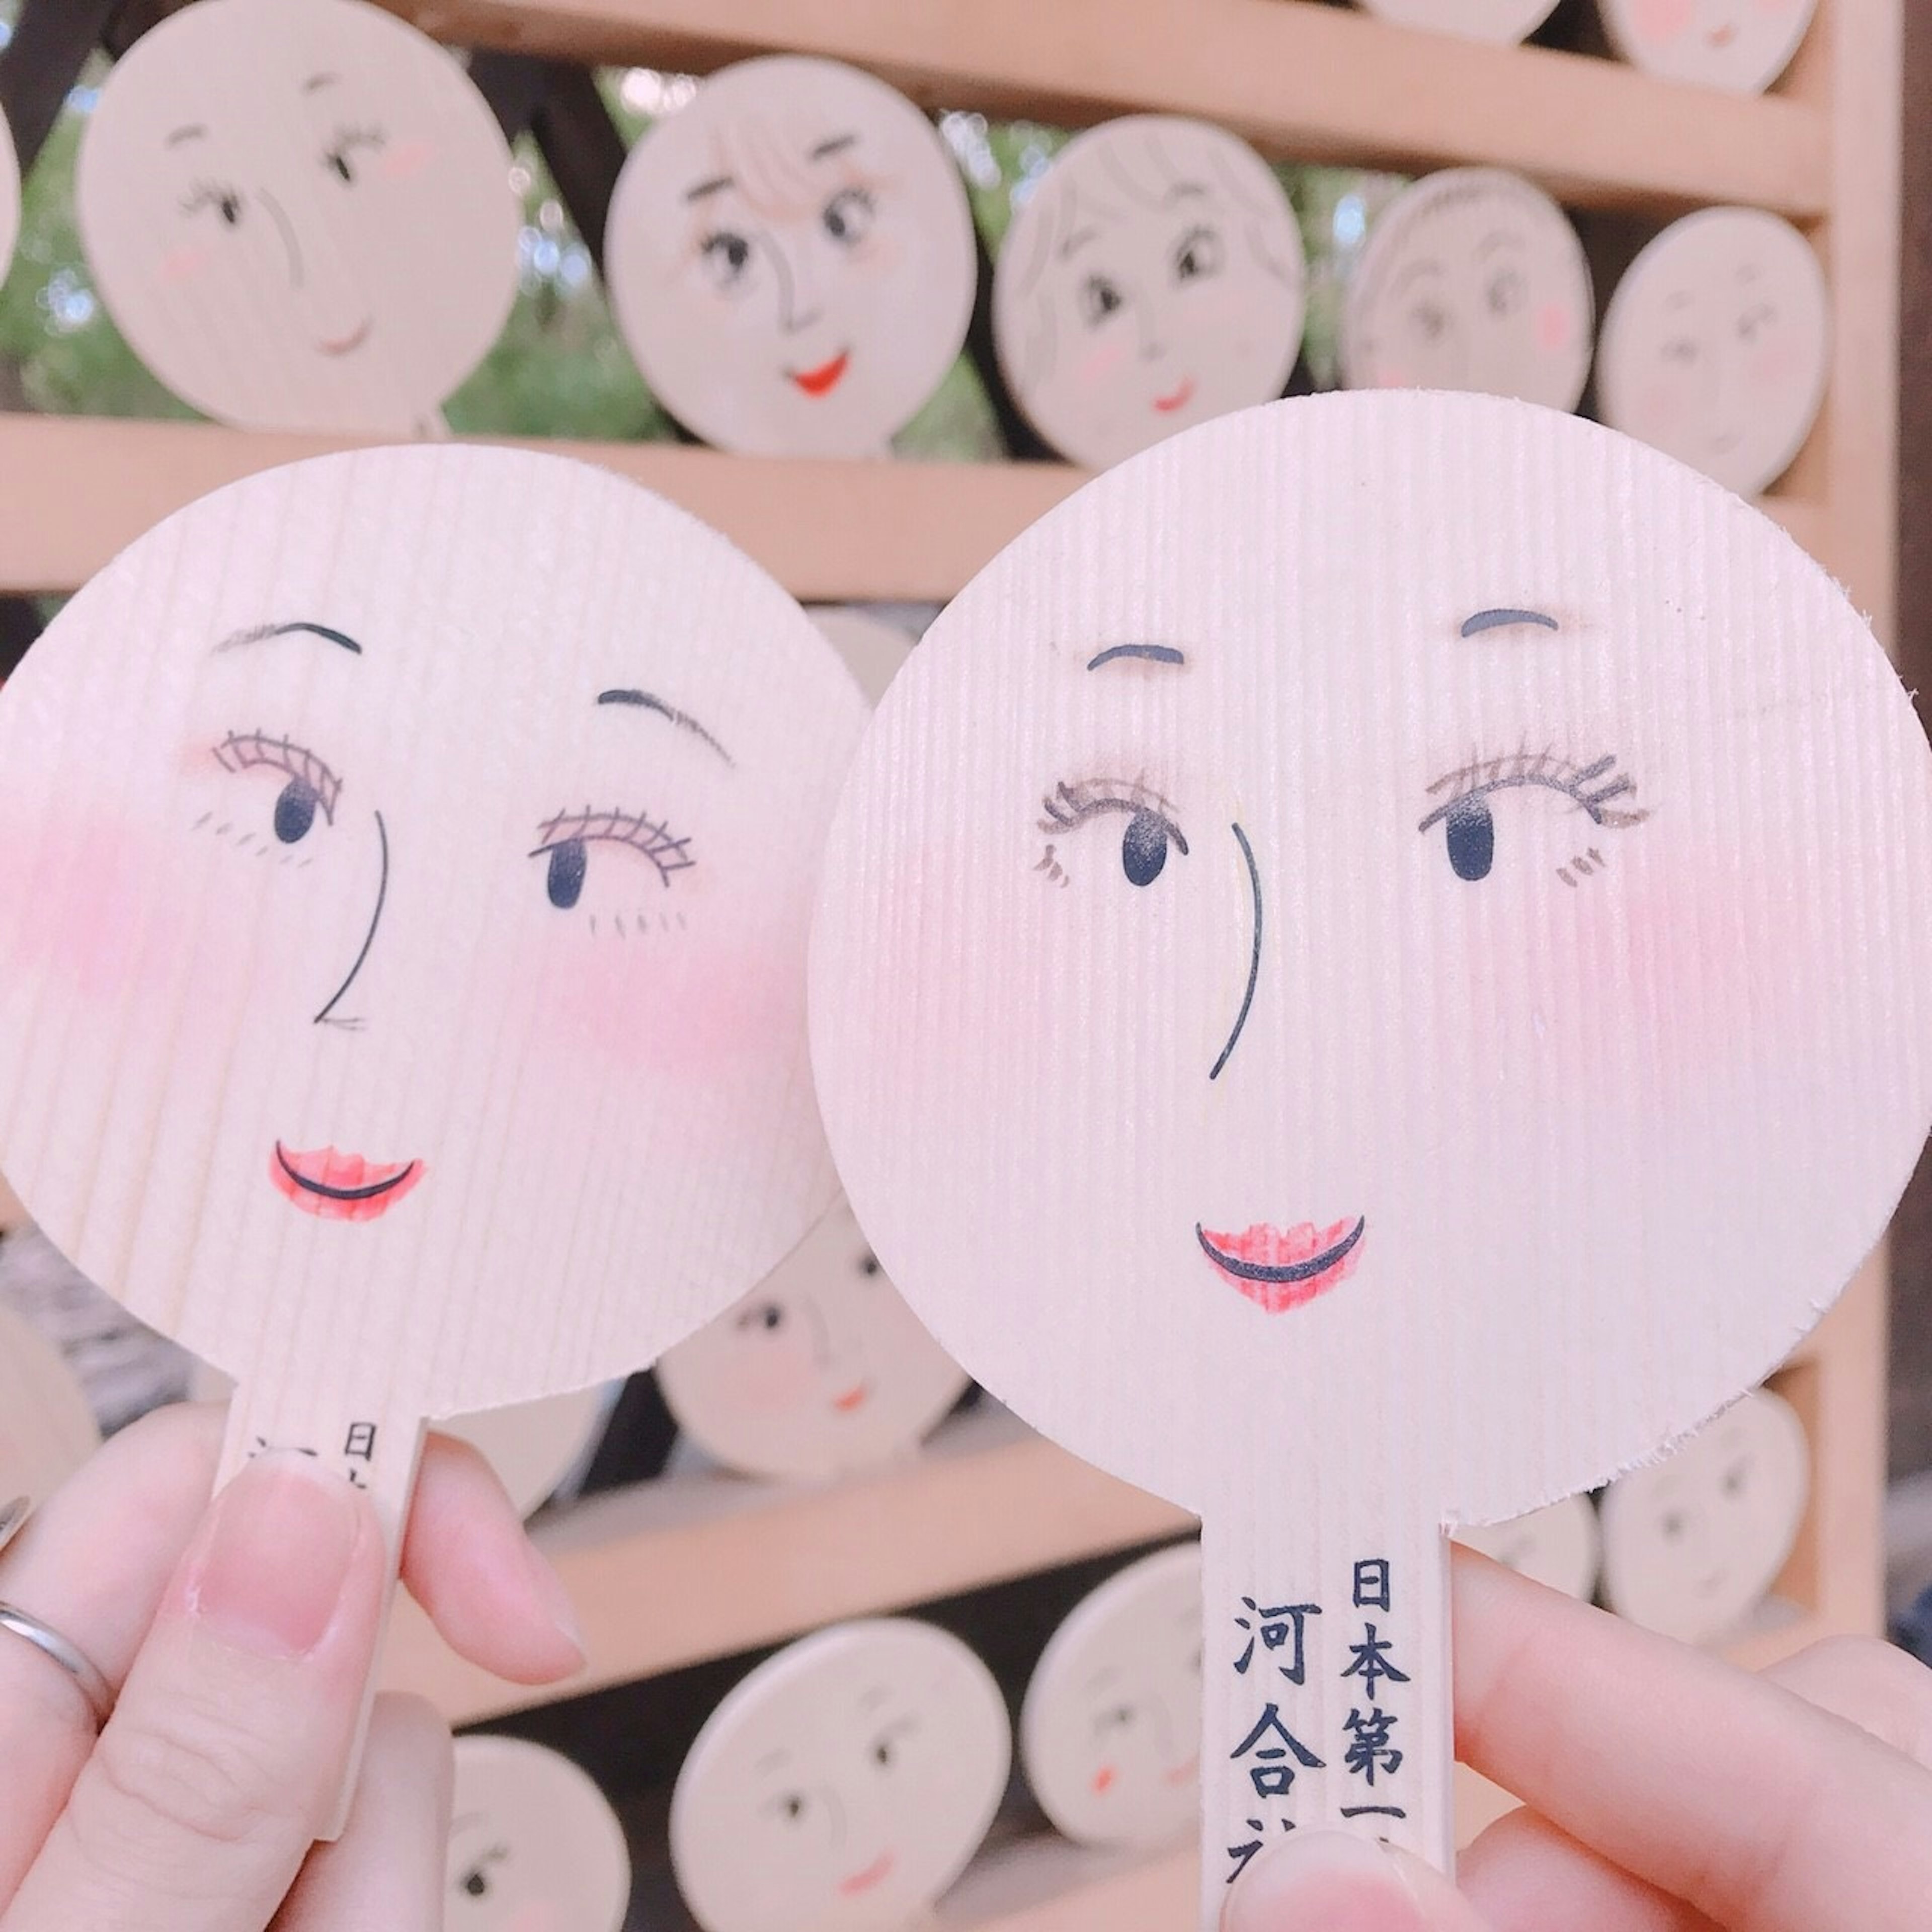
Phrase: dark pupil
(339,161)
(1143,848)
(736,251)
(1105,297)
(476,1885)
(294,811)
(838,223)
(1673,1524)
(1472,839)
(773,1317)
(566,874)
(883,1752)
(231,209)
(794,1806)
(870,1265)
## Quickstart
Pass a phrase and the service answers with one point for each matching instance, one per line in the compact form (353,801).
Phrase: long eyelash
(368,135)
(1068,805)
(245,750)
(637,830)
(1590,787)
(206,194)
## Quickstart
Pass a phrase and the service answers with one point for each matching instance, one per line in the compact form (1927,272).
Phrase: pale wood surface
(828,531)
(1302,81)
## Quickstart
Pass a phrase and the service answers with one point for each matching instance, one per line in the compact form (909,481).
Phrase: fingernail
(553,1597)
(1322,1882)
(274,1556)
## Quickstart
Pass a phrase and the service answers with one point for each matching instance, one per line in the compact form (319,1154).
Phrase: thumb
(1338,1882)
(204,1792)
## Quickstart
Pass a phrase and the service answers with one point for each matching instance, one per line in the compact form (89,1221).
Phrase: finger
(1523,1872)
(201,1798)
(1335,1881)
(388,1868)
(468,1560)
(1732,1794)
(92,1565)
(93,1562)
(1524,1875)
(1871,1684)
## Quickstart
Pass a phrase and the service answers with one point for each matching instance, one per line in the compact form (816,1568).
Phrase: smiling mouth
(341,1187)
(822,380)
(852,1399)
(864,1881)
(1281,1268)
(1178,399)
(341,345)
(1722,36)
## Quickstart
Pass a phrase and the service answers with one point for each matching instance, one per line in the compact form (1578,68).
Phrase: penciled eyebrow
(771,1760)
(878,1694)
(647,700)
(1180,189)
(1502,617)
(716,184)
(257,633)
(837,145)
(316,81)
(1165,654)
(193,131)
(1498,238)
(1078,240)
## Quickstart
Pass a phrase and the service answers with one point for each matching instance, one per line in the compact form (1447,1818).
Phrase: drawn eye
(792,1807)
(564,843)
(727,257)
(294,811)
(476,1882)
(1505,293)
(338,157)
(1200,253)
(1144,848)
(882,1753)
(1753,321)
(1673,1524)
(564,882)
(766,1317)
(848,216)
(1682,350)
(311,787)
(226,202)
(1431,319)
(1099,299)
(1470,828)
(869,1266)
(1735,1478)
(1120,1717)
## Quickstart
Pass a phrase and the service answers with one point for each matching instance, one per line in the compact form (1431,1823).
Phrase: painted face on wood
(1153,278)
(1381,899)
(1111,1729)
(408,857)
(1741,46)
(299,214)
(1714,346)
(1692,1543)
(822,1368)
(534,1846)
(792,260)
(843,1786)
(1472,279)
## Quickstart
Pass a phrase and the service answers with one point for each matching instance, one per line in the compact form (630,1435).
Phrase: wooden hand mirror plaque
(407,857)
(1374,969)
(299,213)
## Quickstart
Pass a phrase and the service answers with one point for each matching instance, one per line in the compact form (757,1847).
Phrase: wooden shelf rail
(1302,81)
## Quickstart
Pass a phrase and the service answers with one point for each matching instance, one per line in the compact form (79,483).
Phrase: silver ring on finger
(87,1679)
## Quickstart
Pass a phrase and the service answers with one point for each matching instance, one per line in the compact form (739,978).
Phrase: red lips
(864,1881)
(822,380)
(341,1187)
(1168,404)
(341,345)
(852,1399)
(1281,1268)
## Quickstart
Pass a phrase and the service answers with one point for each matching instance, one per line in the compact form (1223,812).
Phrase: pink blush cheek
(1100,366)
(772,1379)
(538,1915)
(1661,19)
(407,158)
(1774,366)
(1556,327)
(184,263)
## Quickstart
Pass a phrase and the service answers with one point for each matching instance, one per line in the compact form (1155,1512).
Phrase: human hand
(239,1636)
(1664,1790)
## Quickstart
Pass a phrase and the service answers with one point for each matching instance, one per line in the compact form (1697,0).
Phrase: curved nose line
(790,322)
(822,1350)
(1254,955)
(289,242)
(368,938)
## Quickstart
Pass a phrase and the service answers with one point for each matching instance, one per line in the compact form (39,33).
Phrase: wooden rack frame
(1302,81)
